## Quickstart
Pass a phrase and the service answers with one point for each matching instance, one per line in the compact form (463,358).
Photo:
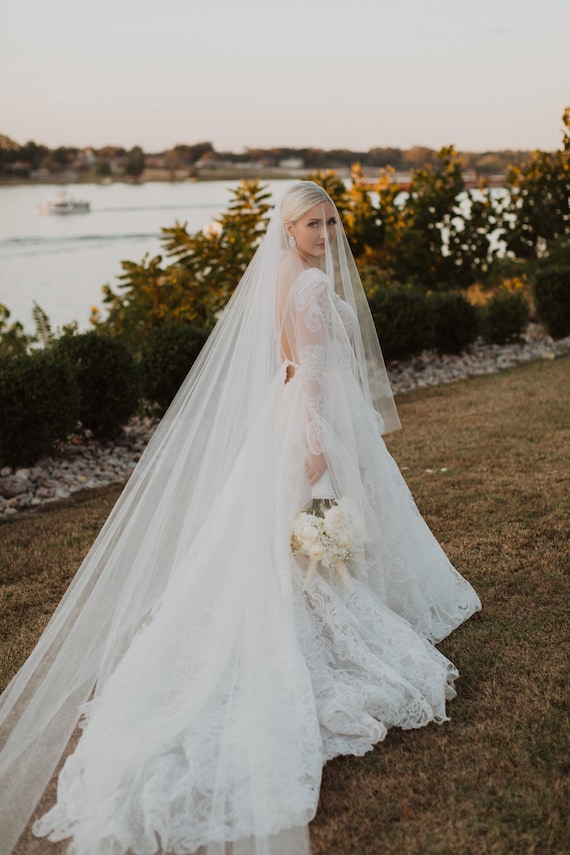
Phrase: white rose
(308,535)
(316,550)
(335,518)
(297,527)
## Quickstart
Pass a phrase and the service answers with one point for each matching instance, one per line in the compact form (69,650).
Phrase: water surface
(62,261)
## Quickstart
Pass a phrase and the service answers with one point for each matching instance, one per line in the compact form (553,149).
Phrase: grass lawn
(495,778)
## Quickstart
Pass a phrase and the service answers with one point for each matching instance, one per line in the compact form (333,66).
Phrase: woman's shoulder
(311,274)
(311,283)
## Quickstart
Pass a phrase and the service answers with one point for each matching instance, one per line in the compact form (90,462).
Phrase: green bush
(108,380)
(505,317)
(551,291)
(456,322)
(167,355)
(404,319)
(40,404)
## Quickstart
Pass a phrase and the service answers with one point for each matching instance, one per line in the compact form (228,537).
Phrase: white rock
(14,485)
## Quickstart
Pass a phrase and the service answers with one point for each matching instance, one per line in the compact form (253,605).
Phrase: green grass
(495,778)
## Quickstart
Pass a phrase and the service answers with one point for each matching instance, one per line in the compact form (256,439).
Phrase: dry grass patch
(494,779)
(39,554)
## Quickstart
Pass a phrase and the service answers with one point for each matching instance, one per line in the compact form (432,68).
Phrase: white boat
(64,204)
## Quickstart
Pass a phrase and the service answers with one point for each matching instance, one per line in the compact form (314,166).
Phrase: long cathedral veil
(215,441)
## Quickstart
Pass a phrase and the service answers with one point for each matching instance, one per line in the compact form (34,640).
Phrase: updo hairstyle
(300,198)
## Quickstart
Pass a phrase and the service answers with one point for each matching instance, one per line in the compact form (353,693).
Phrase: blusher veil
(184,638)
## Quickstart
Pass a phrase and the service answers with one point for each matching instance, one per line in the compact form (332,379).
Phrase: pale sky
(482,75)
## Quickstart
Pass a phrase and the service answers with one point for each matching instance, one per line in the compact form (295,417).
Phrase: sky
(356,74)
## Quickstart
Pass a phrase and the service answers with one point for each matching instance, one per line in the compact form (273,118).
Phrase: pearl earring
(292,241)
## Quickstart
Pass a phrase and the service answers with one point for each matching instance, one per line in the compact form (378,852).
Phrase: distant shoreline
(167,177)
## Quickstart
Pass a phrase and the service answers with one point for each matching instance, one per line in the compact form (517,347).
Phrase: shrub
(456,322)
(505,317)
(404,320)
(551,289)
(108,380)
(167,355)
(40,405)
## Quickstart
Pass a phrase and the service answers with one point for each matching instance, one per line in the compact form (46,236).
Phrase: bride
(264,596)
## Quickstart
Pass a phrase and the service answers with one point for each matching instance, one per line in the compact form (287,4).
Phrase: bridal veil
(177,640)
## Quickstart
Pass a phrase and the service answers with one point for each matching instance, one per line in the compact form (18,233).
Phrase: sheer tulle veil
(218,431)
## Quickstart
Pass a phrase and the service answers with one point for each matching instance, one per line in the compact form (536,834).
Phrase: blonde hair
(300,198)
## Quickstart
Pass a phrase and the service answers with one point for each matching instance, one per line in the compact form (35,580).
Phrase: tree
(134,165)
(435,235)
(204,270)
(468,244)
(419,157)
(63,156)
(360,216)
(383,157)
(102,168)
(538,213)
(13,340)
(33,154)
(184,155)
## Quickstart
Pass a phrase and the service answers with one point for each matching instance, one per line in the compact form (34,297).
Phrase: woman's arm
(312,307)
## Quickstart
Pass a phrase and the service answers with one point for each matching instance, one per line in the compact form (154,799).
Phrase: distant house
(118,165)
(84,160)
(211,162)
(292,163)
(19,168)
(155,161)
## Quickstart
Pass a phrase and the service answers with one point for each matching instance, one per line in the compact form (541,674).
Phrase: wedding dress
(213,689)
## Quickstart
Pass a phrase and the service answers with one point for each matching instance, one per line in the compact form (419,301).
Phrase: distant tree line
(24,160)
(21,160)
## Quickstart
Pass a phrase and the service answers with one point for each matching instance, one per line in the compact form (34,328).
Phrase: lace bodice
(325,325)
(314,297)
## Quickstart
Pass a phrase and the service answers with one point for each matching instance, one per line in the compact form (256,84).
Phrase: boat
(64,204)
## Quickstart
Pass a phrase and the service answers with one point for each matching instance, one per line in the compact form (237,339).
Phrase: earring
(292,241)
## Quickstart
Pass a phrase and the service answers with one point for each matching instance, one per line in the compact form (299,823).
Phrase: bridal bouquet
(329,534)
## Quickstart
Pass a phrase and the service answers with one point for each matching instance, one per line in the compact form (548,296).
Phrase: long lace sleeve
(312,307)
(346,314)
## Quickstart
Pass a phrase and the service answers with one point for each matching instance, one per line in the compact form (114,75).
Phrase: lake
(62,261)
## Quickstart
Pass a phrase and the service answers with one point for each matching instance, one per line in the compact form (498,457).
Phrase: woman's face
(309,231)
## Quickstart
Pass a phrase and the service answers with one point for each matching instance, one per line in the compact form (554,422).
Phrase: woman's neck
(310,261)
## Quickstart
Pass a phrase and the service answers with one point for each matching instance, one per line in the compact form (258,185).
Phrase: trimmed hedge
(404,319)
(108,380)
(505,317)
(39,397)
(551,291)
(456,322)
(167,355)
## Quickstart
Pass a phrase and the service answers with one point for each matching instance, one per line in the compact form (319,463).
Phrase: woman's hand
(315,465)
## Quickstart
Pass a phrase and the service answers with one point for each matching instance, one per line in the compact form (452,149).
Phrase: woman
(217,659)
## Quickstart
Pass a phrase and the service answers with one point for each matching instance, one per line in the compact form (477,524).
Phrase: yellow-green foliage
(538,212)
(194,287)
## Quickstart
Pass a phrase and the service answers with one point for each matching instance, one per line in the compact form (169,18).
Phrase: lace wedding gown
(217,721)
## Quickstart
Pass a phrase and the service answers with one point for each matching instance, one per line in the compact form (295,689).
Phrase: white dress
(218,719)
